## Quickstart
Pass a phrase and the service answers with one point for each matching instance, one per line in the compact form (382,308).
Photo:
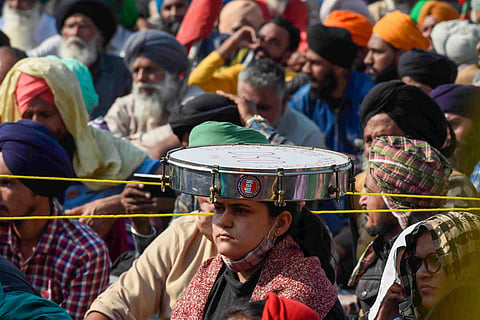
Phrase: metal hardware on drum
(214,189)
(259,172)
(279,190)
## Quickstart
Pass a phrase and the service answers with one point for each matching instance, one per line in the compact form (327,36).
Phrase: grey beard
(86,53)
(153,106)
(20,25)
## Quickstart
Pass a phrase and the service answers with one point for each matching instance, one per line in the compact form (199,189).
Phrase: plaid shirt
(69,266)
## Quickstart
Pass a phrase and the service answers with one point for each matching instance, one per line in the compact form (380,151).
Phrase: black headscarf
(97,10)
(427,68)
(418,115)
(333,44)
(205,107)
(29,149)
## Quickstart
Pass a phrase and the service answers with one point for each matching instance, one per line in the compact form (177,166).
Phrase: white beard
(152,107)
(76,48)
(19,25)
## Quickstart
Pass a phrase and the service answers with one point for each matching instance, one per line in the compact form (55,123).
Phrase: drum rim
(258,171)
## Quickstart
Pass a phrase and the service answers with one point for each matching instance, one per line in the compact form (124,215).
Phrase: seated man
(277,39)
(85,27)
(26,24)
(158,63)
(48,92)
(397,165)
(334,93)
(262,82)
(65,260)
(394,34)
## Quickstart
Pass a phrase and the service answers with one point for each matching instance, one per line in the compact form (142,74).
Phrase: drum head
(259,172)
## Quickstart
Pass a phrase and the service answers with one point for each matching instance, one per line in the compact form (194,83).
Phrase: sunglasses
(430,262)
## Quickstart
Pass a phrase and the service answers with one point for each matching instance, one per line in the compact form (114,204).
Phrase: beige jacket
(158,277)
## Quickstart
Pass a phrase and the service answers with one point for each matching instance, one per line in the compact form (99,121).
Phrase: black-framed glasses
(430,262)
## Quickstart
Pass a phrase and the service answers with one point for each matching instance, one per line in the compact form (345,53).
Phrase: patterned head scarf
(456,239)
(407,166)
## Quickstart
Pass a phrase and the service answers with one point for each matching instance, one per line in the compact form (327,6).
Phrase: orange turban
(359,27)
(28,88)
(440,10)
(400,31)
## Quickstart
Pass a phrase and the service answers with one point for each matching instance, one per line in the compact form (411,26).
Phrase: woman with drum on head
(262,248)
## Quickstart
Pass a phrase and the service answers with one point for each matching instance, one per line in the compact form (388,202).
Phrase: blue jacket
(342,128)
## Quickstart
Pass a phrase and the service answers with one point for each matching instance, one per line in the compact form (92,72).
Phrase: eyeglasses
(430,262)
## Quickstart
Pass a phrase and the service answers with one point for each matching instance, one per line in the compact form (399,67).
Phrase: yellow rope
(156,215)
(101,216)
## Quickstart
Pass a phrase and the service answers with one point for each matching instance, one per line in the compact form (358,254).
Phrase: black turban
(333,44)
(458,99)
(97,10)
(29,149)
(205,107)
(418,115)
(158,46)
(427,67)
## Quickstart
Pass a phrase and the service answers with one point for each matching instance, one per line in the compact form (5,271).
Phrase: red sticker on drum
(248,186)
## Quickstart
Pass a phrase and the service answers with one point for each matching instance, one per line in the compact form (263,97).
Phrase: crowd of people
(103,90)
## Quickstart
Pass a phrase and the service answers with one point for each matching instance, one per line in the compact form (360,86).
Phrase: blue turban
(29,149)
(158,46)
(458,99)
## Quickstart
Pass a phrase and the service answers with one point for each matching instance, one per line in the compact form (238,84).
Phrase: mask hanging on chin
(254,257)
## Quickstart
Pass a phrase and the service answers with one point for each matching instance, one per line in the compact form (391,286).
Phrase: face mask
(254,257)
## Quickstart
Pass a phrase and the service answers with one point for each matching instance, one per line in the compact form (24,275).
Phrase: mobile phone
(155,190)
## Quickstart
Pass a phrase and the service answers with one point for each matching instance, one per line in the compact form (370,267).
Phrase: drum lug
(164,179)
(335,189)
(280,192)
(214,189)
(351,178)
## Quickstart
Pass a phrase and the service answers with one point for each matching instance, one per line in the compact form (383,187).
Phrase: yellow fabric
(209,78)
(98,154)
(399,30)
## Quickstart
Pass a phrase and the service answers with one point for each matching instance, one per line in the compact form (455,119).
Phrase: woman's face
(431,285)
(239,226)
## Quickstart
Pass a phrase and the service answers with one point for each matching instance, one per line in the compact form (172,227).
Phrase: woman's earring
(277,233)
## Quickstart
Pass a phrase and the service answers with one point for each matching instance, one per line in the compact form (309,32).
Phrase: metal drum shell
(298,184)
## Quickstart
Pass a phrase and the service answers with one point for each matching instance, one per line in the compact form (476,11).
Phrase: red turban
(359,27)
(279,308)
(28,88)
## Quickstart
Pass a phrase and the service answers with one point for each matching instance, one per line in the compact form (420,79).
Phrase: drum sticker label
(248,186)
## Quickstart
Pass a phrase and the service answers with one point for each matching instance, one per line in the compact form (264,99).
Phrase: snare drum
(259,172)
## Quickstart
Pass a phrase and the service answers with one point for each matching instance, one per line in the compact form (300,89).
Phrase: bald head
(8,57)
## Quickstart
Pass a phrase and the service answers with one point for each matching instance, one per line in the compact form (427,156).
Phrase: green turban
(89,95)
(415,12)
(213,132)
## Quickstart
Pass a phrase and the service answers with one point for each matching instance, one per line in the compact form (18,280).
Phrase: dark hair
(310,233)
(293,32)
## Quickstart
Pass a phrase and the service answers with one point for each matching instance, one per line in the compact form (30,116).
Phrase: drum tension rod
(335,189)
(164,177)
(280,192)
(351,178)
(214,190)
